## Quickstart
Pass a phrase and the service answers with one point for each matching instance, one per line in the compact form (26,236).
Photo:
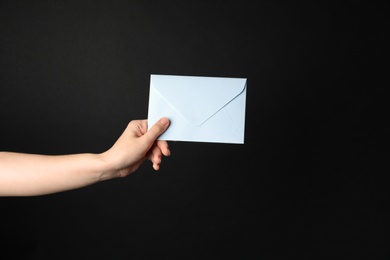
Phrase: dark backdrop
(309,181)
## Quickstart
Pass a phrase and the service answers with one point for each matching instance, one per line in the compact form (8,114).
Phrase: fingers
(155,153)
(164,148)
(157,147)
(156,130)
(155,157)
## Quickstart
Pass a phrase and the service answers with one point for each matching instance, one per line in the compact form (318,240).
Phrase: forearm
(30,174)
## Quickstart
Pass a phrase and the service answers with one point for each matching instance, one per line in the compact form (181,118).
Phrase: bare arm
(32,174)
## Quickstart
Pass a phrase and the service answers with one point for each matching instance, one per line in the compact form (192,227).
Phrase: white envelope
(200,109)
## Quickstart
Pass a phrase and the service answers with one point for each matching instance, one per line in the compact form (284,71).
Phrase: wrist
(108,169)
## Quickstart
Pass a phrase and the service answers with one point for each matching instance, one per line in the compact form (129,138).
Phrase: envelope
(200,109)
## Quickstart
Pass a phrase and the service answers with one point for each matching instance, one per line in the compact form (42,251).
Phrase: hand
(134,146)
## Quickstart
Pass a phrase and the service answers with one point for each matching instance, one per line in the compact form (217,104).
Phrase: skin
(33,174)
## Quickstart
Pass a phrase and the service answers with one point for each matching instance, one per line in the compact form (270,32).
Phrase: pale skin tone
(33,174)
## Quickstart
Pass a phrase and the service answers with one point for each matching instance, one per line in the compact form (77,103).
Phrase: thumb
(156,130)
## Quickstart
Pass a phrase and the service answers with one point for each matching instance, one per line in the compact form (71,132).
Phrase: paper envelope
(200,109)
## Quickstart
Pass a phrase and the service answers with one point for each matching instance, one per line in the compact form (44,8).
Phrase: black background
(309,182)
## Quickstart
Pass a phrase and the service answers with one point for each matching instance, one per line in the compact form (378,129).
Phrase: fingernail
(164,121)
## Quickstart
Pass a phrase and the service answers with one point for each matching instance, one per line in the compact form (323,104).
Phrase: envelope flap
(197,98)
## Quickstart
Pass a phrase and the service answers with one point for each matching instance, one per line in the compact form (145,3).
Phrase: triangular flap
(197,98)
